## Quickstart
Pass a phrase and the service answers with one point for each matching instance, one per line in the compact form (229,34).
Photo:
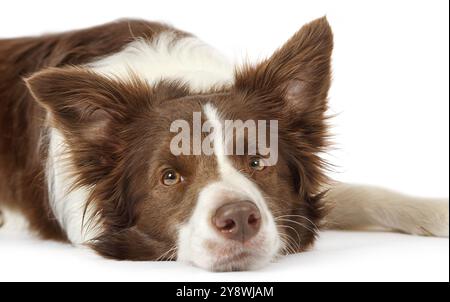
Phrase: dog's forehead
(189,111)
(184,107)
(201,112)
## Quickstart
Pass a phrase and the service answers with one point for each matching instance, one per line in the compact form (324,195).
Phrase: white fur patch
(198,230)
(67,203)
(167,57)
(12,221)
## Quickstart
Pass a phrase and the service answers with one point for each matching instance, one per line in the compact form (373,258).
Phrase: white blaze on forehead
(219,137)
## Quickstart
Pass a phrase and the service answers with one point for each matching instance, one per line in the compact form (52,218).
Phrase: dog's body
(84,143)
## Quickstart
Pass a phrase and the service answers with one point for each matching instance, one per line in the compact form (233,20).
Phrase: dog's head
(217,210)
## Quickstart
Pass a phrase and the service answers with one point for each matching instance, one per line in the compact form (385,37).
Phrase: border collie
(90,152)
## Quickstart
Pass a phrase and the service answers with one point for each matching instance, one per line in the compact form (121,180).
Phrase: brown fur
(119,138)
(22,183)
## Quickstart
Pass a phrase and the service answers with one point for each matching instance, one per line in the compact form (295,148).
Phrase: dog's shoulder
(85,45)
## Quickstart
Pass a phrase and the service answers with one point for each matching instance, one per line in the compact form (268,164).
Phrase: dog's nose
(240,220)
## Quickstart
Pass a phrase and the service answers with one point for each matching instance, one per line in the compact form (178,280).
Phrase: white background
(390,93)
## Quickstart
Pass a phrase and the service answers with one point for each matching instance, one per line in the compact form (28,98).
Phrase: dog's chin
(240,261)
(226,256)
(237,261)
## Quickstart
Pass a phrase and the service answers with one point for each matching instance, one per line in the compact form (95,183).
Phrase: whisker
(298,235)
(288,246)
(173,255)
(160,258)
(285,247)
(299,216)
(298,223)
(296,244)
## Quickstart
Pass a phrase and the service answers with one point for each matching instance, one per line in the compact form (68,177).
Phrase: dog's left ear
(292,86)
(298,74)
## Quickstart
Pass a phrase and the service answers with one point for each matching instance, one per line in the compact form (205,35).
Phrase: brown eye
(256,164)
(171,177)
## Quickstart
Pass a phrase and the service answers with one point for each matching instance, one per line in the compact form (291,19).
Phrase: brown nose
(238,220)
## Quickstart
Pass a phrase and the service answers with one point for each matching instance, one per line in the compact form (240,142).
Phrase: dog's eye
(257,164)
(171,177)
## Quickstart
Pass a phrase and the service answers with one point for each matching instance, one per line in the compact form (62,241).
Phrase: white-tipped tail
(362,207)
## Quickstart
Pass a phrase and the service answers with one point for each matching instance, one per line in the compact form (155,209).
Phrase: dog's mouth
(234,262)
(238,256)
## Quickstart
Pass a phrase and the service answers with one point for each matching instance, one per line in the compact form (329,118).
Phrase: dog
(87,152)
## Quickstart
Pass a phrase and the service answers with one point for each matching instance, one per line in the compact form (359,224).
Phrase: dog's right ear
(79,102)
(91,110)
(88,109)
(83,103)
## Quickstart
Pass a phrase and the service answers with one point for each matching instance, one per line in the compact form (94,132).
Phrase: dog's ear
(83,102)
(292,86)
(90,111)
(80,103)
(297,75)
(83,107)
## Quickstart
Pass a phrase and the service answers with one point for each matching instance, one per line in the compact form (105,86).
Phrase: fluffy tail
(364,207)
